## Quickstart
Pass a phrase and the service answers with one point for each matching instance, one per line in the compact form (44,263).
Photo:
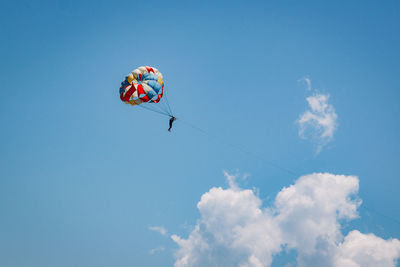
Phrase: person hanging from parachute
(145,85)
(171,120)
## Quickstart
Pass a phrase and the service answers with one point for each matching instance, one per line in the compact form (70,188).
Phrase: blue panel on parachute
(153,84)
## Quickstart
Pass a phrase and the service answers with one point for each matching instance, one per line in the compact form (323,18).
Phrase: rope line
(260,157)
(154,110)
(168,113)
(169,107)
(160,107)
(380,214)
(242,149)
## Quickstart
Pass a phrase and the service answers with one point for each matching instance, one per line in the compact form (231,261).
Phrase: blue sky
(83,176)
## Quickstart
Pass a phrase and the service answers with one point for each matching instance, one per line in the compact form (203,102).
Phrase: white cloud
(308,214)
(307,81)
(155,250)
(367,250)
(159,229)
(234,229)
(319,123)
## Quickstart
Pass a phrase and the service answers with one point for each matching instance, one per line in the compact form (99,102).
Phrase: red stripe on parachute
(125,96)
(149,69)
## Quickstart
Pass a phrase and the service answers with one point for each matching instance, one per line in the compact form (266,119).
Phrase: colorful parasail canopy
(145,85)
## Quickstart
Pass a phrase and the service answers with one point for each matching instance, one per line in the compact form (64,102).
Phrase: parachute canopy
(145,85)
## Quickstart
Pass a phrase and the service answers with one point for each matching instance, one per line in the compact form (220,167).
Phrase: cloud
(367,250)
(159,229)
(231,231)
(155,250)
(319,123)
(308,214)
(235,230)
(307,81)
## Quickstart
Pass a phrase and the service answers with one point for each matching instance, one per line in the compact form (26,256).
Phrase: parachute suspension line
(163,106)
(155,110)
(152,109)
(166,102)
(159,106)
(242,149)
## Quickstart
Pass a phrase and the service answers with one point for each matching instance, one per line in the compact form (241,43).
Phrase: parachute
(144,87)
